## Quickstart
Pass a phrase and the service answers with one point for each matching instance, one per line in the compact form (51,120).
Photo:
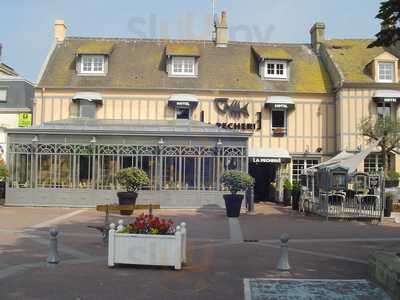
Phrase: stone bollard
(53,257)
(283,262)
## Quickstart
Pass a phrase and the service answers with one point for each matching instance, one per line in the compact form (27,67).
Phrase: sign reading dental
(235,110)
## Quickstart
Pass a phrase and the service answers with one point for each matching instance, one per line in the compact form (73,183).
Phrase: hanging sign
(233,108)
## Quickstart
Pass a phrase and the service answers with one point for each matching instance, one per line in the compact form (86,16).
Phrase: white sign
(281,105)
(266,160)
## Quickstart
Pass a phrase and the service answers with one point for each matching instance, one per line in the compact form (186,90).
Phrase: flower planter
(233,205)
(147,249)
(127,198)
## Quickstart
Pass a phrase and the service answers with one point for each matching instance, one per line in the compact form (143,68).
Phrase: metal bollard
(53,257)
(283,262)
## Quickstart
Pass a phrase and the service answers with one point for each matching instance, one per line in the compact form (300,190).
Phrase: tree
(389,13)
(387,131)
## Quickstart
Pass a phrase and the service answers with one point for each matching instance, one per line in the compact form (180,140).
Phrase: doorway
(264,175)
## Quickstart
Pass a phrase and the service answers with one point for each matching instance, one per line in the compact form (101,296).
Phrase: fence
(338,205)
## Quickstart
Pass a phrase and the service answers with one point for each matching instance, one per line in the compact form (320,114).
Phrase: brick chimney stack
(60,31)
(221,31)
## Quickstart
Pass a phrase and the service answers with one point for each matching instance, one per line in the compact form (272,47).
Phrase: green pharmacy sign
(24,120)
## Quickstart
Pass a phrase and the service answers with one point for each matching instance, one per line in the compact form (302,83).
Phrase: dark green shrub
(132,179)
(237,181)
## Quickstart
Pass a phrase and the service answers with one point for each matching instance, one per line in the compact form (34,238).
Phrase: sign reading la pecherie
(236,110)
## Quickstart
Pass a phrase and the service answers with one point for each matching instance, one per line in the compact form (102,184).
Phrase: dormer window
(275,69)
(182,60)
(92,64)
(386,72)
(183,66)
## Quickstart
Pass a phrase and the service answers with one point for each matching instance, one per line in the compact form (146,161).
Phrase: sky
(26,26)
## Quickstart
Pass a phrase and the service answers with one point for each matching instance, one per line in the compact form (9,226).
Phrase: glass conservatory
(74,162)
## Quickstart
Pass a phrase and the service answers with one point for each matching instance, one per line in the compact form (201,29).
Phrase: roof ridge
(251,43)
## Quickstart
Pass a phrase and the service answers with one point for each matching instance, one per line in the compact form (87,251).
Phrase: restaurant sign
(234,108)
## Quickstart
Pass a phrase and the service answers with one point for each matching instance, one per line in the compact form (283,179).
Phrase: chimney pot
(60,31)
(317,35)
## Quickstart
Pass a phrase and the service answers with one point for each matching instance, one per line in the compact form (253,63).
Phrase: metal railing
(338,205)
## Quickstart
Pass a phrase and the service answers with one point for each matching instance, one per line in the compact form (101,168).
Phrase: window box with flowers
(147,241)
(279,131)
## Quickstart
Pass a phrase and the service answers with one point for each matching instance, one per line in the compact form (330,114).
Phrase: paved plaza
(222,253)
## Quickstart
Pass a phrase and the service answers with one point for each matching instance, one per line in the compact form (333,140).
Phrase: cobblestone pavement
(221,254)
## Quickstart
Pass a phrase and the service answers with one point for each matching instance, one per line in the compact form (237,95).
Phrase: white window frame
(4,91)
(299,164)
(381,64)
(275,64)
(284,121)
(92,64)
(180,62)
(176,113)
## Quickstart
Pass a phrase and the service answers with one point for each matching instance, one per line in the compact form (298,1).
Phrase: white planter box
(145,249)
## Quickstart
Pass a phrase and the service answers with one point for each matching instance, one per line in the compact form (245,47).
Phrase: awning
(269,155)
(387,96)
(279,102)
(89,96)
(182,49)
(183,100)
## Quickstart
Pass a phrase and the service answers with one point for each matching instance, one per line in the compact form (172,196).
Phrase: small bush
(237,181)
(287,184)
(132,179)
(3,172)
(393,175)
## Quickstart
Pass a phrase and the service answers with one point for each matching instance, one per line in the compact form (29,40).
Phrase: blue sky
(26,30)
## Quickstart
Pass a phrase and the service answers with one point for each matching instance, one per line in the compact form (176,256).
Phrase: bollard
(283,262)
(53,257)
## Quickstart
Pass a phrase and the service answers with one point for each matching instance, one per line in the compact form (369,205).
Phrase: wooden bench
(117,208)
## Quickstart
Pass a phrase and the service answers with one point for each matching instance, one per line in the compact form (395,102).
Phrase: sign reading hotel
(236,110)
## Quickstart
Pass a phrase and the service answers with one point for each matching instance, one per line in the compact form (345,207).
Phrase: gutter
(184,89)
(82,131)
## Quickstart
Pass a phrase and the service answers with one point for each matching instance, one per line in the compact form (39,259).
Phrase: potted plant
(296,192)
(235,181)
(287,192)
(392,179)
(3,176)
(132,179)
(147,241)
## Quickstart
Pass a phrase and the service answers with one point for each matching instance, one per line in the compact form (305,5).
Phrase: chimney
(317,35)
(60,31)
(221,31)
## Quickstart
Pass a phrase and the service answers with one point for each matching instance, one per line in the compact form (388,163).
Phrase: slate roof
(352,57)
(7,70)
(141,64)
(131,127)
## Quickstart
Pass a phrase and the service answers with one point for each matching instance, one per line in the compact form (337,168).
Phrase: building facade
(269,109)
(16,99)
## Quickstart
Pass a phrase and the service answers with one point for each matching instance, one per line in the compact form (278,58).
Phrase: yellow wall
(310,124)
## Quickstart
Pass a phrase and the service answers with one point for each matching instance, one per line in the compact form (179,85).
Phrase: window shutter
(105,64)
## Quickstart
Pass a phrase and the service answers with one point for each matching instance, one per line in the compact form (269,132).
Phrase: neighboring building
(366,81)
(184,111)
(16,98)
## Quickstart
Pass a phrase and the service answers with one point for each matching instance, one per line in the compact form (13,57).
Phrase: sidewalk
(217,262)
